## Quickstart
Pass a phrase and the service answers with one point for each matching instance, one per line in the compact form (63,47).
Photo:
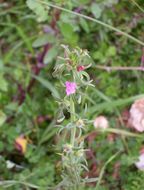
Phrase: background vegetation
(31,34)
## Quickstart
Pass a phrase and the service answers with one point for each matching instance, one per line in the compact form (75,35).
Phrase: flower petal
(21,144)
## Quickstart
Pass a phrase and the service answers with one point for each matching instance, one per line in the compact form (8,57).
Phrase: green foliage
(68,32)
(30,48)
(134,181)
(2,118)
(96,10)
(50,55)
(38,9)
(43,40)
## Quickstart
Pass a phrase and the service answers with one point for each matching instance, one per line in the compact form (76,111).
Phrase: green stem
(104,167)
(137,5)
(72,112)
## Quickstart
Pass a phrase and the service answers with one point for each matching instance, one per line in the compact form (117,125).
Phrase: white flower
(140,163)
(101,122)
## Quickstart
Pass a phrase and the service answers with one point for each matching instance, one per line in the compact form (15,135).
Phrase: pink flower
(101,122)
(136,119)
(140,163)
(70,87)
(80,68)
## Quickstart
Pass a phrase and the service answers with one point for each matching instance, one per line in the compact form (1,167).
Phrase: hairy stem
(72,112)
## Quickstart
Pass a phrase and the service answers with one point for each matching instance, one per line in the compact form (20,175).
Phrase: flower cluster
(136,119)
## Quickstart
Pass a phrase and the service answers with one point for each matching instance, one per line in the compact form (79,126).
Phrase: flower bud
(80,68)
(101,122)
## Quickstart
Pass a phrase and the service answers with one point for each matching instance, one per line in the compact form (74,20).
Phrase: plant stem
(119,68)
(72,112)
(137,5)
(104,167)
